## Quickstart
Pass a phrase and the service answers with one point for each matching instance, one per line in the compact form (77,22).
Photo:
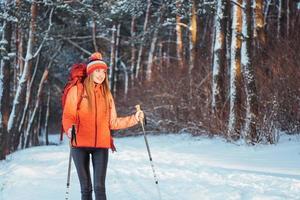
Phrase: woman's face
(99,75)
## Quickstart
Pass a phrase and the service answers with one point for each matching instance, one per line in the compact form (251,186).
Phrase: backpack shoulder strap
(80,93)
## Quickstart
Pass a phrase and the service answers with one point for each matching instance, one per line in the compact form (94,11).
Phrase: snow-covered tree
(234,126)
(193,35)
(145,27)
(279,18)
(219,57)
(18,102)
(4,87)
(154,41)
(179,42)
(250,127)
(259,23)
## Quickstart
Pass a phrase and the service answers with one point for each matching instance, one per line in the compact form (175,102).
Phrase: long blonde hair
(89,88)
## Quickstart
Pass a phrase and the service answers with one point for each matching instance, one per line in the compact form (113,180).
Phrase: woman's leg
(99,159)
(81,159)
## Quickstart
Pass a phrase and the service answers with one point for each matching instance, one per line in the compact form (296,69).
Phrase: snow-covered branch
(78,46)
(237,4)
(46,36)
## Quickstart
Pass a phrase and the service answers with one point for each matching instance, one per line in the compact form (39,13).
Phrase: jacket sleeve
(120,122)
(70,109)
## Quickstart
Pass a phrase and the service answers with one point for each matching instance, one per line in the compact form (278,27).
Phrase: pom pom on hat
(95,56)
(95,62)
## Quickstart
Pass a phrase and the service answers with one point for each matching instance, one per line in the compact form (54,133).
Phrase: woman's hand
(139,116)
(69,133)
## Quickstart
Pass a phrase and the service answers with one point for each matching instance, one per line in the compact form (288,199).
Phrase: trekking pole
(138,108)
(73,137)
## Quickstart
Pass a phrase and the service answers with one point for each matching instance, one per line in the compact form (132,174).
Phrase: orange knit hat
(95,62)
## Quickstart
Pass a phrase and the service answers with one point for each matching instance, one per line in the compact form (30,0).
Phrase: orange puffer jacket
(93,126)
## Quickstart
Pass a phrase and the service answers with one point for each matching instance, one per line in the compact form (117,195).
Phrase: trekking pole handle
(73,135)
(138,107)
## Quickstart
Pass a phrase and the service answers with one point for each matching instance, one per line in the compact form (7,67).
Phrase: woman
(93,118)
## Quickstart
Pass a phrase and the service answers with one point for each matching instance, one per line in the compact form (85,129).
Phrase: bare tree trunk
(118,37)
(151,55)
(168,54)
(228,36)
(37,104)
(259,24)
(284,18)
(28,94)
(160,55)
(295,15)
(17,61)
(19,97)
(139,61)
(122,64)
(266,10)
(94,28)
(5,48)
(287,18)
(213,39)
(234,125)
(250,131)
(153,44)
(38,99)
(219,58)
(18,70)
(112,58)
(118,41)
(47,115)
(179,43)
(193,36)
(206,26)
(192,47)
(39,125)
(279,16)
(35,135)
(22,138)
(133,49)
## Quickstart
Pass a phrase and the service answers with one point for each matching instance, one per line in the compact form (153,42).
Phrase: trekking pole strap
(73,135)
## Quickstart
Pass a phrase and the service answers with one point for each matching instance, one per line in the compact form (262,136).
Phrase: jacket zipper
(95,120)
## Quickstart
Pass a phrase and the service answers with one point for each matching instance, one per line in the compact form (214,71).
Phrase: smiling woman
(93,119)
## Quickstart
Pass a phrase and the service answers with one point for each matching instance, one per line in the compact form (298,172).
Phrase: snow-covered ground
(188,168)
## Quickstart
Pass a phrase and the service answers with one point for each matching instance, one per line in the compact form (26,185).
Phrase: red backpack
(76,77)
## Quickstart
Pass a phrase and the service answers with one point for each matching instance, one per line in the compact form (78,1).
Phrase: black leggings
(81,158)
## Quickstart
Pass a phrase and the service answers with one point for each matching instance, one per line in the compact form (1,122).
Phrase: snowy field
(188,168)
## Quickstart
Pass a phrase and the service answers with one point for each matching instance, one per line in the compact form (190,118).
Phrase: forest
(226,68)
